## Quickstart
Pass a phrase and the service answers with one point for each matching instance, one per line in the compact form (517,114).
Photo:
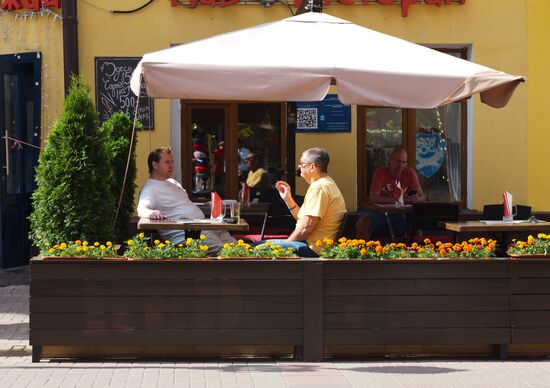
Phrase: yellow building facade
(505,147)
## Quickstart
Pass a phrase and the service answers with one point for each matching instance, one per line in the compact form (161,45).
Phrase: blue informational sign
(329,115)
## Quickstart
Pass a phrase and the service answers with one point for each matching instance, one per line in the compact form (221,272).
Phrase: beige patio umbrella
(268,63)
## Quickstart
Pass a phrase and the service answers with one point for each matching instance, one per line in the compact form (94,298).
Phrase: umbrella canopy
(266,63)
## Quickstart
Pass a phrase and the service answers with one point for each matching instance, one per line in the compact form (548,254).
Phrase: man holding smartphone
(388,184)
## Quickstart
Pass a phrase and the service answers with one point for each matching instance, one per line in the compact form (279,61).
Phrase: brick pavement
(16,369)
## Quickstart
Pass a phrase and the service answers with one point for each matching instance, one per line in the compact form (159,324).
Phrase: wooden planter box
(416,302)
(307,307)
(147,303)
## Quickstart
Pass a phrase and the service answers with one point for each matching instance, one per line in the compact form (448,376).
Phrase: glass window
(259,148)
(11,91)
(208,156)
(435,138)
(384,133)
(438,147)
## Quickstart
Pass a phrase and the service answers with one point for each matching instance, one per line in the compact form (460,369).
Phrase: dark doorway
(20,120)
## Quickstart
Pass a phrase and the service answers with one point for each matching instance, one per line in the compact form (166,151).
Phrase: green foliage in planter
(80,249)
(73,198)
(138,247)
(267,249)
(118,129)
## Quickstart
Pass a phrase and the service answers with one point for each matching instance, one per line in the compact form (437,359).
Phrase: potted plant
(118,131)
(534,248)
(73,198)
(360,249)
(265,251)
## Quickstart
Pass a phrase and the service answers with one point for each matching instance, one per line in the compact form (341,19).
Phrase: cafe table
(146,223)
(502,227)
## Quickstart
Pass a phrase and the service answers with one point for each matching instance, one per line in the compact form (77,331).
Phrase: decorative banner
(430,153)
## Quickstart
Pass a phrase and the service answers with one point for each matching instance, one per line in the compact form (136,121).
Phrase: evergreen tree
(118,129)
(73,198)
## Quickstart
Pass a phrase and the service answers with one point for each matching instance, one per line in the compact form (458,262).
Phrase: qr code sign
(307,118)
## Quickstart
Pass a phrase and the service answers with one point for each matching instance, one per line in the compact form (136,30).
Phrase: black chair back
(426,216)
(342,229)
(496,212)
(278,217)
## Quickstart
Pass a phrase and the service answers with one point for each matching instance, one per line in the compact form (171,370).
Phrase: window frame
(409,141)
(231,108)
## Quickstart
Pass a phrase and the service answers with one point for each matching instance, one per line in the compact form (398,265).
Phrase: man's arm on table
(144,210)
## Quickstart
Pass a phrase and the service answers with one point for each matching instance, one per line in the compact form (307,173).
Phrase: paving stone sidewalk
(17,370)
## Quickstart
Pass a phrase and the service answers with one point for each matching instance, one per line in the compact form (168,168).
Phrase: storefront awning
(295,59)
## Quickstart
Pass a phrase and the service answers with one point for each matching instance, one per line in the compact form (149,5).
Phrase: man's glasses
(303,164)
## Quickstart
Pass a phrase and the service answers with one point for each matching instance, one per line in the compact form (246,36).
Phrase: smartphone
(412,192)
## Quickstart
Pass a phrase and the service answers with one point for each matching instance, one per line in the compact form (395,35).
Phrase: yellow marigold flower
(204,247)
(85,248)
(180,245)
(78,249)
(342,239)
(85,243)
(96,244)
(78,242)
(363,251)
(437,244)
(161,245)
(226,246)
(393,245)
(109,244)
(157,242)
(46,244)
(102,247)
(488,249)
(202,237)
(541,235)
(319,243)
(420,250)
(167,241)
(240,242)
(130,242)
(385,249)
(427,241)
(189,241)
(141,235)
(379,249)
(342,245)
(51,250)
(275,252)
(146,249)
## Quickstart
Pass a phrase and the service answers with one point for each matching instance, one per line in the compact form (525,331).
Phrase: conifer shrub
(73,196)
(118,129)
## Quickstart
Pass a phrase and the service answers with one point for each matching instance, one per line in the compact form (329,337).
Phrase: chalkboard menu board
(113,93)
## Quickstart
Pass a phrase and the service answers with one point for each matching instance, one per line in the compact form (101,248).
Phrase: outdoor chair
(278,223)
(496,212)
(425,217)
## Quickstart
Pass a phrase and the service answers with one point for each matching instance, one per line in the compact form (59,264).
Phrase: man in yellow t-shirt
(323,208)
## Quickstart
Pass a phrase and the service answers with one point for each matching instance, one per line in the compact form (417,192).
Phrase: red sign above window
(405,4)
(14,5)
